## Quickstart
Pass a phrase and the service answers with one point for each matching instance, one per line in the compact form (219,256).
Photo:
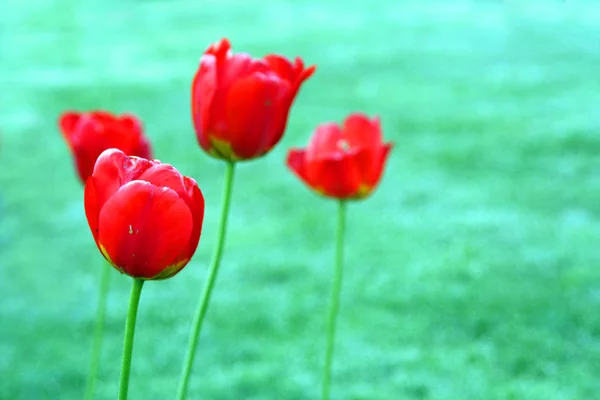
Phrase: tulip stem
(134,301)
(334,302)
(98,332)
(208,286)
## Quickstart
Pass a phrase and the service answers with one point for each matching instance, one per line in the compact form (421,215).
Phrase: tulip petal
(220,48)
(143,149)
(326,142)
(255,106)
(88,141)
(195,202)
(296,161)
(143,229)
(91,206)
(113,169)
(281,66)
(130,137)
(238,66)
(103,117)
(68,122)
(360,131)
(131,122)
(203,91)
(307,73)
(295,73)
(336,177)
(165,175)
(211,93)
(379,165)
(367,159)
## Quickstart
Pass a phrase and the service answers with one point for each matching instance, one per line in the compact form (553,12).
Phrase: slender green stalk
(134,301)
(334,303)
(98,332)
(208,286)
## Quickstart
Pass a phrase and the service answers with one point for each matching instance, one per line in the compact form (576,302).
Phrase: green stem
(98,332)
(334,304)
(134,301)
(208,286)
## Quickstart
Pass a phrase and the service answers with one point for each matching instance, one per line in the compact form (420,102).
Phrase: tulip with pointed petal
(343,162)
(240,104)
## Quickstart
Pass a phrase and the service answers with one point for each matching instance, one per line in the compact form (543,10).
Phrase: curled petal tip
(219,48)
(241,104)
(308,72)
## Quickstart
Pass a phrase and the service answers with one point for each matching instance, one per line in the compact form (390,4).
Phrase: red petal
(67,123)
(325,142)
(335,177)
(113,170)
(132,127)
(307,73)
(204,88)
(302,74)
(143,150)
(165,175)
(379,165)
(88,142)
(369,163)
(295,73)
(360,131)
(131,123)
(279,126)
(103,117)
(228,74)
(238,66)
(84,163)
(144,229)
(282,67)
(220,48)
(91,206)
(296,161)
(195,202)
(255,107)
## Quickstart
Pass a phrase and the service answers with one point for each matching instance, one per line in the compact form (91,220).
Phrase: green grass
(472,273)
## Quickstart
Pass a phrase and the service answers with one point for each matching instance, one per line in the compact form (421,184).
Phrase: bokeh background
(472,273)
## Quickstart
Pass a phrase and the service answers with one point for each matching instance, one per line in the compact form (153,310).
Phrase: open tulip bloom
(345,163)
(146,219)
(88,134)
(240,107)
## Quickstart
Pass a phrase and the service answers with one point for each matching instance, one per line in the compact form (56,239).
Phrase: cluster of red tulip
(146,218)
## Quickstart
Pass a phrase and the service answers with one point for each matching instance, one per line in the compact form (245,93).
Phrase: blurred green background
(472,273)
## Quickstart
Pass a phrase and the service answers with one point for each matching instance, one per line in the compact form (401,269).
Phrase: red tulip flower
(240,104)
(146,218)
(343,162)
(89,134)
